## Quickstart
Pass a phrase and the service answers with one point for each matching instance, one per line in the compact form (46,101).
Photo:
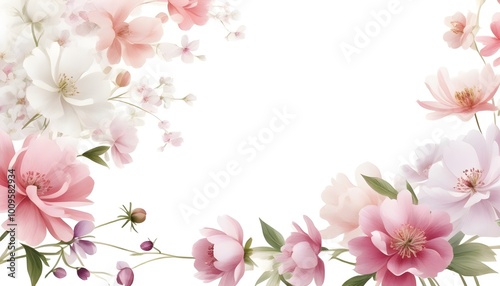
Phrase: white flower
(64,91)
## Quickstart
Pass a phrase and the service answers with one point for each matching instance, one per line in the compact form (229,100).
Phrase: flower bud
(163,17)
(138,215)
(123,79)
(59,272)
(147,245)
(83,273)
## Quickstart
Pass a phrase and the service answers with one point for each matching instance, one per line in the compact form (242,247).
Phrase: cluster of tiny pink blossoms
(76,68)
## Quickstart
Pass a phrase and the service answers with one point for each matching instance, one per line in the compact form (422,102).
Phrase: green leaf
(272,236)
(284,281)
(413,195)
(381,186)
(96,159)
(338,252)
(467,259)
(99,150)
(358,280)
(4,235)
(456,239)
(248,244)
(266,275)
(34,264)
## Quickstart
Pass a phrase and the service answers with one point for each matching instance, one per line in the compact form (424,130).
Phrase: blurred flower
(128,40)
(189,99)
(187,13)
(59,272)
(49,183)
(299,256)
(220,254)
(124,141)
(81,247)
(465,183)
(426,156)
(173,138)
(462,30)
(126,275)
(492,44)
(123,79)
(463,96)
(83,273)
(63,91)
(239,34)
(343,201)
(401,241)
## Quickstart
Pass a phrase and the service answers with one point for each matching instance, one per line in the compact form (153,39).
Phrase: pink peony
(466,183)
(402,241)
(49,182)
(128,40)
(299,256)
(344,201)
(463,96)
(187,13)
(220,254)
(461,33)
(492,44)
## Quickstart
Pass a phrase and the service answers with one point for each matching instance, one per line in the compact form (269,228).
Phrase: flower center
(408,241)
(67,85)
(122,30)
(458,28)
(469,181)
(211,259)
(467,97)
(38,180)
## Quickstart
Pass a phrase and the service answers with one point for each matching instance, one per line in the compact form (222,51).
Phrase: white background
(346,113)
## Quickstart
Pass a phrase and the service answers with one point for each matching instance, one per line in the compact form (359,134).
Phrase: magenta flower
(492,44)
(50,182)
(299,256)
(187,13)
(466,183)
(461,33)
(128,40)
(402,241)
(462,96)
(126,275)
(59,272)
(81,247)
(220,254)
(147,245)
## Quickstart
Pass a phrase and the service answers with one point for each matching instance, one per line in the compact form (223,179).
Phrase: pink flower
(173,138)
(220,254)
(126,275)
(81,247)
(124,141)
(466,183)
(461,33)
(299,256)
(128,40)
(187,13)
(402,241)
(426,156)
(463,96)
(492,44)
(49,182)
(344,201)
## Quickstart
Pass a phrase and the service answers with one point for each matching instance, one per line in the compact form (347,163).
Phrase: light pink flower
(492,44)
(426,156)
(187,13)
(49,182)
(466,183)
(124,141)
(81,247)
(402,241)
(220,254)
(461,33)
(170,51)
(173,138)
(126,275)
(344,201)
(239,34)
(462,96)
(128,40)
(299,256)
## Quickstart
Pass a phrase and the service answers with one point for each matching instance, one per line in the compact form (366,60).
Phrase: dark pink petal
(368,258)
(390,279)
(439,225)
(370,220)
(313,233)
(83,273)
(125,277)
(319,273)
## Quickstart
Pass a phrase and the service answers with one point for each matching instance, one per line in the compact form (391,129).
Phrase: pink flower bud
(147,245)
(83,273)
(59,272)
(163,17)
(123,79)
(138,215)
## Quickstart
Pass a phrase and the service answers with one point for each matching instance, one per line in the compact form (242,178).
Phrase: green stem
(109,222)
(477,122)
(57,262)
(422,281)
(151,260)
(138,107)
(463,280)
(33,34)
(471,239)
(345,261)
(117,247)
(476,280)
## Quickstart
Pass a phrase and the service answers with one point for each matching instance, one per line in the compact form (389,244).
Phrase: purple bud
(83,273)
(59,272)
(147,245)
